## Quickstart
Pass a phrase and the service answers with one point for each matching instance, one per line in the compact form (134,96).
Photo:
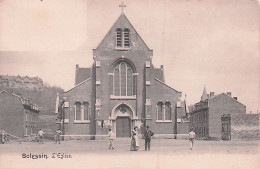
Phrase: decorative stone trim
(147,64)
(123,97)
(97,63)
(81,121)
(148,102)
(122,48)
(98,102)
(163,121)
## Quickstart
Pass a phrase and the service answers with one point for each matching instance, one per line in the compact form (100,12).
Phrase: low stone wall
(245,127)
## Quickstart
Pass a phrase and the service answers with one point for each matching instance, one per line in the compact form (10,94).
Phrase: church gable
(81,90)
(122,37)
(164,90)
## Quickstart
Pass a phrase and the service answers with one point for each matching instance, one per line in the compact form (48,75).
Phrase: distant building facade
(213,117)
(31,83)
(121,90)
(17,115)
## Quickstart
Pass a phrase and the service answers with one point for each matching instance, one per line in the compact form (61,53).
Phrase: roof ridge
(228,96)
(20,97)
(166,85)
(77,85)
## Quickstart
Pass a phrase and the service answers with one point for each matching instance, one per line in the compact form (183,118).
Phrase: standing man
(58,133)
(111,138)
(147,136)
(40,133)
(192,136)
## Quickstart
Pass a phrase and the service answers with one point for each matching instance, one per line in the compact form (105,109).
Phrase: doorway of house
(226,127)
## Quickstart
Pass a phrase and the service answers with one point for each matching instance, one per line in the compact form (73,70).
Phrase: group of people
(4,136)
(134,139)
(57,136)
(147,137)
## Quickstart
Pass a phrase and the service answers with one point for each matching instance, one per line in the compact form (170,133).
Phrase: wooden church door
(123,127)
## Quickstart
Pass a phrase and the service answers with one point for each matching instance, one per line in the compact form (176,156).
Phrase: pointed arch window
(116,82)
(123,75)
(123,80)
(129,81)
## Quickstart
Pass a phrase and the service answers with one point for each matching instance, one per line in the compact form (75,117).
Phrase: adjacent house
(18,116)
(222,117)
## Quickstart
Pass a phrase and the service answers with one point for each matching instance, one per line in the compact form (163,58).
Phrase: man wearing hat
(147,136)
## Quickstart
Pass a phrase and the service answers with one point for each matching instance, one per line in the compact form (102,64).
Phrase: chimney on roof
(211,94)
(235,98)
(229,94)
(161,66)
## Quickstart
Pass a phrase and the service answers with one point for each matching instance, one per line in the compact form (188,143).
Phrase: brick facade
(123,89)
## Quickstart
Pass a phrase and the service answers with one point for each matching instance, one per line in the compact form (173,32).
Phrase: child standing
(58,133)
(191,138)
(111,138)
(40,133)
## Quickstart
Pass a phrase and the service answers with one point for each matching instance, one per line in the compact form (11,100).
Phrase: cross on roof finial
(122,5)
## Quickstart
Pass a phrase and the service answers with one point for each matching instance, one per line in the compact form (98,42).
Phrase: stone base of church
(105,137)
(170,136)
(85,137)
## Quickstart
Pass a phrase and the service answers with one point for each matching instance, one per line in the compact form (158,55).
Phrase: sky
(211,43)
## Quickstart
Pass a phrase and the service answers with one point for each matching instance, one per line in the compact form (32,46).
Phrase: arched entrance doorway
(123,120)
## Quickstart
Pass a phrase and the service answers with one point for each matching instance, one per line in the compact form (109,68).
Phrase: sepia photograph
(129,84)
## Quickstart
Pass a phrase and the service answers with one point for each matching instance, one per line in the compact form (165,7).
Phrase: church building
(121,90)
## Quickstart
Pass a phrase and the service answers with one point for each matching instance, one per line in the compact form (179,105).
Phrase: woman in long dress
(134,140)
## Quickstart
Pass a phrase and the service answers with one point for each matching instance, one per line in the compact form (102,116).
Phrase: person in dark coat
(147,136)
